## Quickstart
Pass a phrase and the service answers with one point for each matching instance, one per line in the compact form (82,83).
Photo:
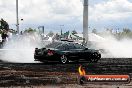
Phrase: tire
(63,59)
(95,57)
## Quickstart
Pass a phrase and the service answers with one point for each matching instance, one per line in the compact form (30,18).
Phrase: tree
(4,25)
(94,31)
(109,30)
(126,30)
(57,36)
(66,34)
(74,32)
(50,34)
(126,33)
(29,30)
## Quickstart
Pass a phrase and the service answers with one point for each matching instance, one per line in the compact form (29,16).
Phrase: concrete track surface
(53,75)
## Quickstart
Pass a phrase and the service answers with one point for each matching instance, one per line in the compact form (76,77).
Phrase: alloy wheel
(95,57)
(63,59)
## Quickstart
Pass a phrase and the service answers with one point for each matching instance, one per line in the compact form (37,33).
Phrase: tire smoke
(115,48)
(20,49)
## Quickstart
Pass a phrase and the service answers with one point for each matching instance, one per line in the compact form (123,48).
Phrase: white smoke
(21,48)
(116,48)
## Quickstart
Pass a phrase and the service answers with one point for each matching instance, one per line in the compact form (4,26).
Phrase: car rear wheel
(63,59)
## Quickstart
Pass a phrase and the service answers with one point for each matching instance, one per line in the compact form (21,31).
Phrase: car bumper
(46,58)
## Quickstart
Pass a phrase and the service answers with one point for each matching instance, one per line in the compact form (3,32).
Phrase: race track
(37,74)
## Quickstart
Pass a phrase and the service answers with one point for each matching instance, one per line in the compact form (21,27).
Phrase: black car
(65,52)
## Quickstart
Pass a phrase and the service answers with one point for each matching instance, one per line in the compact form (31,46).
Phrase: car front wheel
(95,57)
(63,59)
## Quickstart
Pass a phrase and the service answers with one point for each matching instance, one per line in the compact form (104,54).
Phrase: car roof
(57,43)
(64,42)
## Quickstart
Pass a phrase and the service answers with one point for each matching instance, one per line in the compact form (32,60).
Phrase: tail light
(50,52)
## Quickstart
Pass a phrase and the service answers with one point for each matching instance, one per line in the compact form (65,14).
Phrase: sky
(103,14)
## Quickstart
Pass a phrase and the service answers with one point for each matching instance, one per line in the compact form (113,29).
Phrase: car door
(73,52)
(81,51)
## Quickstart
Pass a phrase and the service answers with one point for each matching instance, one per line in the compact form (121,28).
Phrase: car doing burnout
(65,52)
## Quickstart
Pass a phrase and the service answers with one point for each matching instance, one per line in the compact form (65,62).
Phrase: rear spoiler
(36,48)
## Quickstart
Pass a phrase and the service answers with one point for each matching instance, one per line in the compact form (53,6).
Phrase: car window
(79,46)
(71,46)
(53,45)
(62,47)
